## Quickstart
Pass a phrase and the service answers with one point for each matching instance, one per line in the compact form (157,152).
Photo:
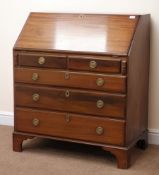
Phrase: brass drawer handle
(35,122)
(68,118)
(100,82)
(100,104)
(67,93)
(36,97)
(35,76)
(41,60)
(92,64)
(99,130)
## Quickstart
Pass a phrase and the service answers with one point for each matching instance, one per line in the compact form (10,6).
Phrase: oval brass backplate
(36,97)
(41,60)
(100,104)
(100,81)
(99,130)
(35,76)
(35,122)
(92,64)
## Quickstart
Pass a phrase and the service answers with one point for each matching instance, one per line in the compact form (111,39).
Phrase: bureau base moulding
(123,155)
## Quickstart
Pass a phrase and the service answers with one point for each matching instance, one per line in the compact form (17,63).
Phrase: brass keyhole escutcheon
(67,75)
(35,76)
(100,81)
(41,60)
(67,93)
(68,118)
(36,97)
(92,64)
(100,104)
(35,122)
(99,130)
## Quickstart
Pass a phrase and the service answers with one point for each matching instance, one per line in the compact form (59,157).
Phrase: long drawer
(79,127)
(110,83)
(87,102)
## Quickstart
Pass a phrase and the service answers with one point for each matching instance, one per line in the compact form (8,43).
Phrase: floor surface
(48,157)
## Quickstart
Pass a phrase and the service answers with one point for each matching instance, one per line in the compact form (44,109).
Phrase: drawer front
(48,61)
(73,126)
(71,79)
(85,102)
(95,65)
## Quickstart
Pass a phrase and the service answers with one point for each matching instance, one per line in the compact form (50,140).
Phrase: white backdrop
(13,14)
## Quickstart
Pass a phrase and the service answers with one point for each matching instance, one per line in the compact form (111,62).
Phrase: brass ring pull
(100,81)
(99,130)
(36,97)
(35,122)
(35,76)
(92,64)
(67,93)
(41,60)
(100,104)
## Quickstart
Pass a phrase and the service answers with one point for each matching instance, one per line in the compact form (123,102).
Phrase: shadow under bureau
(83,78)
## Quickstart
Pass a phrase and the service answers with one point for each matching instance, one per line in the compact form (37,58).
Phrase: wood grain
(137,87)
(112,83)
(51,61)
(79,126)
(105,34)
(77,101)
(106,65)
(68,86)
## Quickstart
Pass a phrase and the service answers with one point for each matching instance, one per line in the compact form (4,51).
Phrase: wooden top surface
(84,33)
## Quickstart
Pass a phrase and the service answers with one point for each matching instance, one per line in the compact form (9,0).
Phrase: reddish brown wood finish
(112,83)
(103,34)
(75,101)
(51,61)
(70,126)
(137,103)
(122,156)
(67,84)
(18,141)
(107,65)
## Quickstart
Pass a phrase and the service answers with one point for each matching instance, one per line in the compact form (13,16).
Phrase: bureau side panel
(138,78)
(15,63)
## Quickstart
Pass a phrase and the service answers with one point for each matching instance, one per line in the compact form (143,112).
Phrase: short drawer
(109,83)
(86,102)
(72,126)
(106,65)
(40,60)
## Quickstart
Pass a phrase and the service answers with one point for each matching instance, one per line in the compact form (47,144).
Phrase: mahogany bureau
(83,78)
